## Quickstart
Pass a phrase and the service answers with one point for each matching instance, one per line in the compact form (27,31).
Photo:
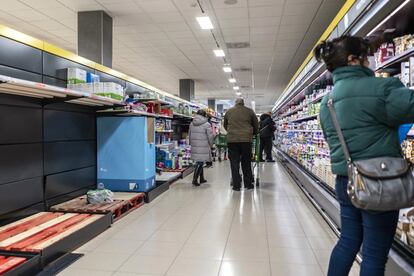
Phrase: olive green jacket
(241,124)
(370,111)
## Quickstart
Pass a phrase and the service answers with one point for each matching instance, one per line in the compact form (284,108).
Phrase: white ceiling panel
(80,5)
(265,11)
(160,41)
(233,13)
(150,6)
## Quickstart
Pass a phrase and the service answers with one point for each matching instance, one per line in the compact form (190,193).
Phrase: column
(95,36)
(187,89)
(212,103)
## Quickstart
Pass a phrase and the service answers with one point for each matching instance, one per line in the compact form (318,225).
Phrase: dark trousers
(241,152)
(373,230)
(266,144)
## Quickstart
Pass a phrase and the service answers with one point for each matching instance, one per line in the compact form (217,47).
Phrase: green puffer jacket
(369,111)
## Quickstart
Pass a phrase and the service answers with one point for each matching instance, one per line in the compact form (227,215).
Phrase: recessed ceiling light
(205,22)
(236,87)
(232,80)
(227,69)
(219,53)
(238,93)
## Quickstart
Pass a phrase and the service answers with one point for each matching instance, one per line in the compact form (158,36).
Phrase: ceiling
(160,41)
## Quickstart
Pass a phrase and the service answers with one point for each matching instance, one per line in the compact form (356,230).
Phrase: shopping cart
(221,144)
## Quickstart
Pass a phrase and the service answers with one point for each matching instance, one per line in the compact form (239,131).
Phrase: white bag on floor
(100,196)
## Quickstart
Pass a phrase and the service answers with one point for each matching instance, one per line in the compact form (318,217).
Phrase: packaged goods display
(175,157)
(300,136)
(76,76)
(106,89)
(408,149)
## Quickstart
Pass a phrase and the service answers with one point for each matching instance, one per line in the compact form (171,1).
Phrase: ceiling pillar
(95,36)
(187,89)
(212,103)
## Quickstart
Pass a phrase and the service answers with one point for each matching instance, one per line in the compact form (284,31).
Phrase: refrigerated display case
(300,143)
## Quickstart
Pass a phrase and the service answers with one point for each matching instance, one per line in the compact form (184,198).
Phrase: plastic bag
(100,196)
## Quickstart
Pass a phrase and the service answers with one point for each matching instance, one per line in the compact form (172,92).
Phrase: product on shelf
(175,157)
(384,53)
(76,76)
(403,43)
(408,149)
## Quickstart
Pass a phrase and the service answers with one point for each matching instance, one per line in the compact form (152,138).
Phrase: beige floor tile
(207,251)
(101,261)
(147,264)
(292,256)
(279,269)
(192,267)
(84,272)
(160,248)
(90,246)
(286,231)
(118,246)
(237,252)
(286,241)
(134,274)
(170,236)
(319,243)
(245,268)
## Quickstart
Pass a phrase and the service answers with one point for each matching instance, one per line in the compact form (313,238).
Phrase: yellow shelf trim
(55,50)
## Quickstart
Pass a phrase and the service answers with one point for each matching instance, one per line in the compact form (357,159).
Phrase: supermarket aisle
(211,230)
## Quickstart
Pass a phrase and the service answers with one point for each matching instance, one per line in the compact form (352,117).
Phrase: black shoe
(250,187)
(261,160)
(236,189)
(203,181)
(270,161)
(196,184)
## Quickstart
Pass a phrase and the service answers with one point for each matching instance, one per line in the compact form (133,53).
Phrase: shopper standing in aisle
(241,124)
(369,111)
(267,134)
(201,141)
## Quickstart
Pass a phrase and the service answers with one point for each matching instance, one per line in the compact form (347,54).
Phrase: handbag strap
(341,137)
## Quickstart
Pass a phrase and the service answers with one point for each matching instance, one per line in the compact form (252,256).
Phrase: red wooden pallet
(119,207)
(134,201)
(8,263)
(35,233)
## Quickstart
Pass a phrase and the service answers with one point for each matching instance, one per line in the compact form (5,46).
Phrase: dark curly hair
(202,112)
(335,53)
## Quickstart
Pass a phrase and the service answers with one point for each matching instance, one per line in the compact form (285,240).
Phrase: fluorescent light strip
(205,22)
(238,93)
(219,53)
(232,80)
(227,69)
(388,17)
(236,87)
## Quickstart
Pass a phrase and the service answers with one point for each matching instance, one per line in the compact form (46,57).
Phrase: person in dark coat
(201,141)
(267,134)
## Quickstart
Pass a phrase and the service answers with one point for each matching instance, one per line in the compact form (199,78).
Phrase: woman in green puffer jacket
(370,111)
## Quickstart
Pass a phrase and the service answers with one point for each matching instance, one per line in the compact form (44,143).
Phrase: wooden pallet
(122,204)
(7,263)
(37,232)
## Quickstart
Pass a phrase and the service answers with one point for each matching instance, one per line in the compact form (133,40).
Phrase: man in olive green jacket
(241,124)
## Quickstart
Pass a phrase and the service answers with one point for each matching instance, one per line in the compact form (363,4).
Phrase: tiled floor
(212,231)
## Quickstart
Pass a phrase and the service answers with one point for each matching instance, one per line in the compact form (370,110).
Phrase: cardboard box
(92,78)
(76,75)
